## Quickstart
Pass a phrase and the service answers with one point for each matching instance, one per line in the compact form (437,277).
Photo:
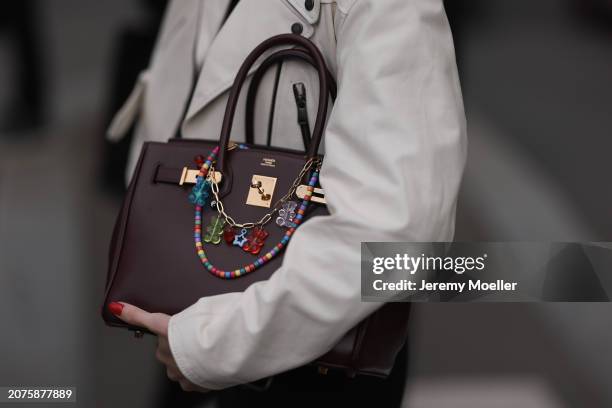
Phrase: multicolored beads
(201,191)
(257,244)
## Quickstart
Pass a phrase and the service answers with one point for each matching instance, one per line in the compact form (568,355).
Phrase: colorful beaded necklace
(262,260)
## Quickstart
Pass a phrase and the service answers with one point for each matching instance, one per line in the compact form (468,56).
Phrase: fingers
(157,323)
(163,350)
(163,353)
(154,322)
(174,375)
(187,386)
(164,356)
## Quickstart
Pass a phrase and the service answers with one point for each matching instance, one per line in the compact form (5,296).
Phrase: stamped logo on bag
(268,162)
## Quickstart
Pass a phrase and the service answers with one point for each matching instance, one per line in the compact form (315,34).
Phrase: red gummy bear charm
(199,160)
(256,240)
(228,235)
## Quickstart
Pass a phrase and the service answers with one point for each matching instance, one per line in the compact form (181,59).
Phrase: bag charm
(241,239)
(199,160)
(286,214)
(229,234)
(200,192)
(214,230)
(256,240)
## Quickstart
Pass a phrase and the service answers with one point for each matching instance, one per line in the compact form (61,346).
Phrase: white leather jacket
(395,149)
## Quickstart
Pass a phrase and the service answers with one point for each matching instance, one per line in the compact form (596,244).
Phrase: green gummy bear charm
(214,230)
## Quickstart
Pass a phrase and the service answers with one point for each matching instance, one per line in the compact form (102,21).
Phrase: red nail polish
(115,308)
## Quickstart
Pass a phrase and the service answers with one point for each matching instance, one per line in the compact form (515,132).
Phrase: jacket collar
(251,22)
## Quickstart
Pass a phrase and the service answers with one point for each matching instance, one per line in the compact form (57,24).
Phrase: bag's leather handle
(230,110)
(277,57)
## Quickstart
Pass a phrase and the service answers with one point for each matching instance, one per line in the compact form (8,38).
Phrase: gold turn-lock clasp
(258,185)
(189,176)
(261,191)
(318,195)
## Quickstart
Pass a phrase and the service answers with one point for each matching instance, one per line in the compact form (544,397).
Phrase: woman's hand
(157,323)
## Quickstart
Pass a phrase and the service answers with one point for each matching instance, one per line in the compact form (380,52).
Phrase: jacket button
(297,28)
(309,5)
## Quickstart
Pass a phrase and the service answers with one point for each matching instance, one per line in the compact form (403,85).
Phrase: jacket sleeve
(394,155)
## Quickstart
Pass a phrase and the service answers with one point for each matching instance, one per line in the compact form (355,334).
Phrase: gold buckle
(189,176)
(318,195)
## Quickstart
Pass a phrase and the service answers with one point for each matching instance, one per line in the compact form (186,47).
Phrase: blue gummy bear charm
(200,193)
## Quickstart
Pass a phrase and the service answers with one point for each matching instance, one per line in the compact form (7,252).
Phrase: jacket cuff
(184,332)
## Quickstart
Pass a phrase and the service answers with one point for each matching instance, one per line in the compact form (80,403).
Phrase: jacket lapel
(166,80)
(251,22)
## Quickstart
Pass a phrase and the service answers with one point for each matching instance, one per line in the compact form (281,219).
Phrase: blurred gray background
(538,96)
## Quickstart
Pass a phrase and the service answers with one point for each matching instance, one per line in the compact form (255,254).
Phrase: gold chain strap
(266,218)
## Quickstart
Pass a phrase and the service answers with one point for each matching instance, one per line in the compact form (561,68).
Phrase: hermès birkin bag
(240,203)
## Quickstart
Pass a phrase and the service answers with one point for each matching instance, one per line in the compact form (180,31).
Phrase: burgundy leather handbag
(248,200)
